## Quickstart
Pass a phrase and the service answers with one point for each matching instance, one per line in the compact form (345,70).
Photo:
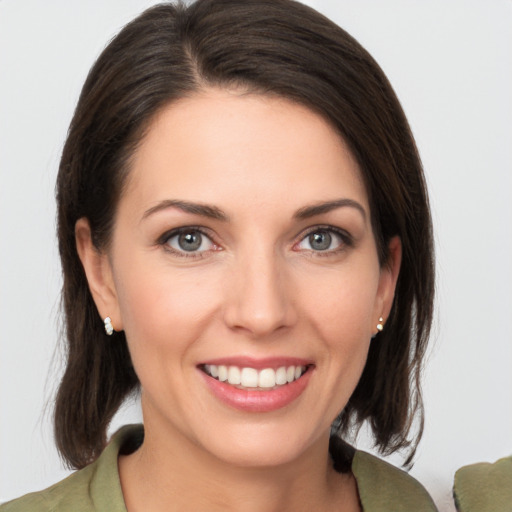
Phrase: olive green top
(382,487)
(484,487)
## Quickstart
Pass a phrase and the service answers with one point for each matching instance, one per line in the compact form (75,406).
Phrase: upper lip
(259,363)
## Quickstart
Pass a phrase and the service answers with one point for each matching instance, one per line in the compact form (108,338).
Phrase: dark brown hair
(276,47)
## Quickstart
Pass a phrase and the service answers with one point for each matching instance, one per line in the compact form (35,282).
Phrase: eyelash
(163,240)
(346,238)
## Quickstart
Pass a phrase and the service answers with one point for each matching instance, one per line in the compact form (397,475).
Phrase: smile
(259,386)
(250,378)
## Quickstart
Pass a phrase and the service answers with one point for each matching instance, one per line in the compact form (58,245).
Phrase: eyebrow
(213,212)
(327,206)
(204,210)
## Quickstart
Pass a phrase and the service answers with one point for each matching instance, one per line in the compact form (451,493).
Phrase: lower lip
(258,401)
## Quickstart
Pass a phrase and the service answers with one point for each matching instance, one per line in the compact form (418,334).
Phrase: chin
(261,447)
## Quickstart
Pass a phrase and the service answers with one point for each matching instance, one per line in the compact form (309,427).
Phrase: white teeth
(234,375)
(247,377)
(222,371)
(281,376)
(267,378)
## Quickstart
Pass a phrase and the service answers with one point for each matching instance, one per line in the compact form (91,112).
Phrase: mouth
(257,385)
(252,379)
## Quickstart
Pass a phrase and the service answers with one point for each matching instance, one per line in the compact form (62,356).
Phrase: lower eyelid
(164,240)
(178,249)
(345,239)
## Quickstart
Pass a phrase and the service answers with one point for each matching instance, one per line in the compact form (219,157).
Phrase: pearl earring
(109,328)
(380,325)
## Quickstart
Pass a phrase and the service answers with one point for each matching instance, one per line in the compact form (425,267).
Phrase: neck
(171,473)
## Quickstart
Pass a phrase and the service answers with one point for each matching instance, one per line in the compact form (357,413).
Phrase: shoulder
(484,486)
(95,487)
(68,494)
(384,487)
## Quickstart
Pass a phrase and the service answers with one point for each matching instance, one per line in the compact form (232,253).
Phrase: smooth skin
(254,270)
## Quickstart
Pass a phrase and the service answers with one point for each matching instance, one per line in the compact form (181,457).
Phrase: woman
(245,237)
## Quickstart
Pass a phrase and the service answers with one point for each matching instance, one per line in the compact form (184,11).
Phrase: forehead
(220,145)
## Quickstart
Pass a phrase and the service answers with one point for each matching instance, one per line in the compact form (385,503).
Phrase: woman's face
(243,250)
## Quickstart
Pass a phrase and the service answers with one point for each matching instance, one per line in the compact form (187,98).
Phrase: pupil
(320,241)
(190,241)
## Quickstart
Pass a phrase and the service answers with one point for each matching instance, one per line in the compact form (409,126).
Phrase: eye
(189,240)
(324,240)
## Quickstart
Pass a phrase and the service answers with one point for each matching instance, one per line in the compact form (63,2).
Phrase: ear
(98,271)
(388,278)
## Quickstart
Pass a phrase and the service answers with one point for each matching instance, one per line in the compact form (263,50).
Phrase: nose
(259,296)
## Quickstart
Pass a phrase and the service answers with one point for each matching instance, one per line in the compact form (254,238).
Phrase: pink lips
(268,362)
(249,400)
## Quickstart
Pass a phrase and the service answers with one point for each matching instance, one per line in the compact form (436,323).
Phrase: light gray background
(451,65)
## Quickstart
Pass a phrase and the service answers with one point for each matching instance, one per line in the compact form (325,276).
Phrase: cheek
(340,309)
(342,303)
(163,310)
